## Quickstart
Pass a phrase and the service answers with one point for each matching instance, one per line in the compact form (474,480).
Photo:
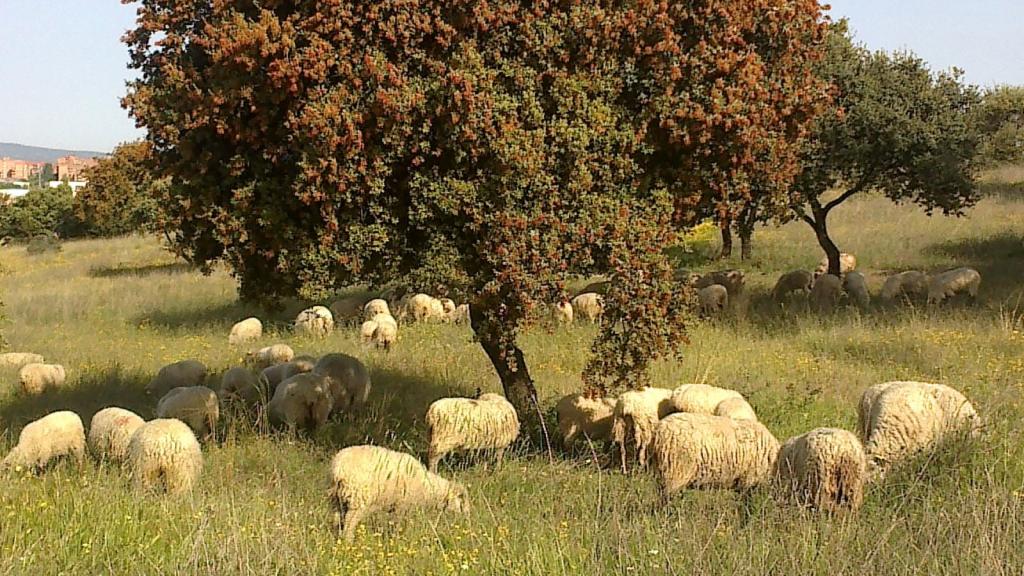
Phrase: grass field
(114,311)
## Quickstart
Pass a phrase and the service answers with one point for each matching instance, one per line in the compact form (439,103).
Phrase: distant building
(12,169)
(72,167)
(74,184)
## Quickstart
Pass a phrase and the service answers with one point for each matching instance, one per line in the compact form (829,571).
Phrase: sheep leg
(499,457)
(353,516)
(433,457)
(622,456)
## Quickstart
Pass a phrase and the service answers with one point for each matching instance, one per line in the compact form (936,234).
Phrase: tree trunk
(726,240)
(746,246)
(747,221)
(820,225)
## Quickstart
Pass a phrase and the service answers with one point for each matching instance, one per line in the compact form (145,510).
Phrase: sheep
(489,422)
(239,384)
(461,314)
(826,292)
(795,281)
(448,308)
(423,307)
(701,450)
(900,419)
(365,479)
(713,299)
(562,312)
(825,468)
(19,359)
(302,401)
(316,321)
(55,435)
(733,280)
(857,289)
(348,381)
(952,282)
(196,406)
(911,283)
(245,331)
(735,408)
(589,306)
(701,398)
(582,416)
(385,333)
(847,263)
(635,416)
(374,307)
(366,330)
(269,356)
(37,378)
(181,374)
(271,377)
(347,310)
(164,453)
(110,431)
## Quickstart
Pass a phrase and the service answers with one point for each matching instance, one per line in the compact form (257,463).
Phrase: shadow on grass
(140,270)
(223,315)
(999,259)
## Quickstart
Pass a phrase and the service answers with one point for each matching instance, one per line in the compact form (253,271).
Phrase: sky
(64,68)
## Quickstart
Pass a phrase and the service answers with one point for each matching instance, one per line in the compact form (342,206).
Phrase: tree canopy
(1000,118)
(41,211)
(121,194)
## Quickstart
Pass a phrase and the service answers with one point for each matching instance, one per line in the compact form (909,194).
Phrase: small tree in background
(1001,121)
(120,197)
(42,211)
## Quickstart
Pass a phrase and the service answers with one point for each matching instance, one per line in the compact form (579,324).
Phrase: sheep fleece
(164,453)
(468,424)
(110,431)
(54,435)
(825,468)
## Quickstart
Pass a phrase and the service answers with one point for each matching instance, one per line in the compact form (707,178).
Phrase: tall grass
(114,311)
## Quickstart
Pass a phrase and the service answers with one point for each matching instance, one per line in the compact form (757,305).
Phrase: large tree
(496,148)
(894,127)
(120,197)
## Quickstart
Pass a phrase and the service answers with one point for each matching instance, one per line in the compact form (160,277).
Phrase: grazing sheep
(950,283)
(489,422)
(196,406)
(245,331)
(857,289)
(847,263)
(824,468)
(181,374)
(347,310)
(52,436)
(901,419)
(713,299)
(272,376)
(562,313)
(375,307)
(582,416)
(366,330)
(735,408)
(701,398)
(461,314)
(423,307)
(448,307)
(911,283)
(239,384)
(635,416)
(733,280)
(826,292)
(164,454)
(316,321)
(700,450)
(19,359)
(367,479)
(302,401)
(348,380)
(385,333)
(110,431)
(589,306)
(269,355)
(795,281)
(37,378)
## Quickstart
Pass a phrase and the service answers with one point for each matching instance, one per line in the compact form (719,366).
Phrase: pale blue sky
(63,66)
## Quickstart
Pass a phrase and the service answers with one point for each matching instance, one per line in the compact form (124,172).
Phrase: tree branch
(865,179)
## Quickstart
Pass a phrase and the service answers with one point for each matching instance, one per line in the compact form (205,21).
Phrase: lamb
(239,384)
(733,280)
(196,406)
(302,401)
(700,450)
(110,431)
(489,422)
(385,333)
(826,292)
(348,381)
(735,408)
(19,359)
(55,435)
(701,398)
(589,306)
(375,307)
(635,416)
(37,378)
(901,419)
(857,289)
(582,416)
(713,299)
(911,283)
(847,263)
(347,310)
(269,355)
(824,468)
(245,331)
(181,374)
(562,312)
(367,479)
(423,307)
(316,321)
(165,454)
(953,282)
(795,281)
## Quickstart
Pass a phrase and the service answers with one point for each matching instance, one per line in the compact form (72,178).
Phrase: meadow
(114,311)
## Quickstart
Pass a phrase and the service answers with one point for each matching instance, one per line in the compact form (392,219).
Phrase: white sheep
(735,408)
(366,330)
(196,406)
(347,310)
(952,282)
(733,280)
(713,299)
(37,378)
(19,359)
(110,431)
(561,312)
(588,306)
(177,375)
(580,416)
(847,263)
(901,419)
(385,333)
(423,307)
(302,401)
(348,380)
(826,292)
(164,454)
(825,468)
(367,479)
(857,289)
(795,281)
(316,321)
(375,307)
(489,422)
(911,283)
(245,331)
(700,398)
(239,384)
(700,450)
(448,308)
(636,414)
(269,356)
(461,314)
(55,435)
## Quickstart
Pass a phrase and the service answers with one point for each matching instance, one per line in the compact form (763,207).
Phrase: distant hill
(37,154)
